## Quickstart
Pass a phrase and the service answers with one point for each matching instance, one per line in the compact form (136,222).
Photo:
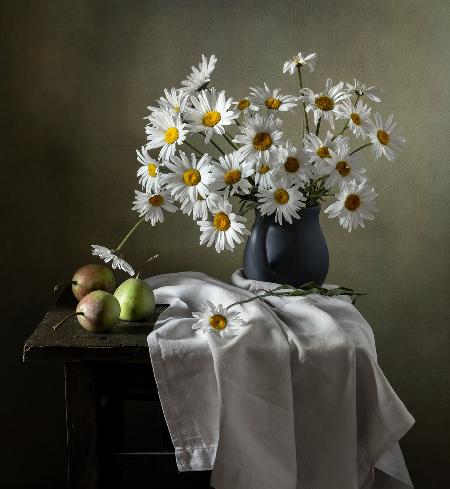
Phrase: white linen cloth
(295,401)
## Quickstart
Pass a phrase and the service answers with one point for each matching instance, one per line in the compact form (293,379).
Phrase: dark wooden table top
(126,342)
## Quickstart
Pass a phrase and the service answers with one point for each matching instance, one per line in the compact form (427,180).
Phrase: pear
(97,312)
(89,278)
(136,297)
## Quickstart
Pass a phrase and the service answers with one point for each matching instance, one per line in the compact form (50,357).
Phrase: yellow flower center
(264,169)
(324,103)
(218,321)
(171,135)
(281,196)
(356,119)
(262,141)
(296,60)
(221,221)
(152,168)
(243,104)
(343,168)
(323,152)
(176,108)
(232,176)
(292,164)
(211,118)
(156,200)
(273,103)
(383,136)
(352,202)
(191,177)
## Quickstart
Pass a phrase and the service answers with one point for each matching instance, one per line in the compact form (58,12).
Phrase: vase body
(292,254)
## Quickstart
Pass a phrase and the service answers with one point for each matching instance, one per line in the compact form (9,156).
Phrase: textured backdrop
(76,78)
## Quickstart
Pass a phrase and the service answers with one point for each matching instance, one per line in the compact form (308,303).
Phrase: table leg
(82,427)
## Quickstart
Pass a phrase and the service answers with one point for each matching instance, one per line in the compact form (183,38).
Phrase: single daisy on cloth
(319,150)
(200,208)
(272,99)
(295,165)
(165,131)
(225,229)
(358,117)
(148,172)
(261,139)
(385,138)
(300,60)
(189,178)
(231,174)
(174,101)
(360,90)
(108,255)
(245,106)
(283,199)
(199,77)
(218,320)
(151,205)
(210,113)
(355,203)
(341,167)
(324,104)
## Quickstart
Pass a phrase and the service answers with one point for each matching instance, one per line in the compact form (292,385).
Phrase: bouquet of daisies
(212,152)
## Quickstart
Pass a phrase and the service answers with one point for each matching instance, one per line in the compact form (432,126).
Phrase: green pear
(136,299)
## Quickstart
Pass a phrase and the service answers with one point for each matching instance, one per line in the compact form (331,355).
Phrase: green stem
(128,236)
(342,130)
(228,139)
(304,105)
(237,122)
(193,147)
(360,148)
(318,126)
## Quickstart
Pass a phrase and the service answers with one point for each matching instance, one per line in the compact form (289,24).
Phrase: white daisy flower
(355,202)
(245,106)
(225,229)
(165,131)
(341,167)
(174,101)
(108,255)
(300,60)
(384,137)
(319,150)
(272,99)
(151,205)
(199,77)
(211,112)
(200,208)
(265,173)
(189,178)
(261,139)
(218,320)
(148,172)
(324,104)
(283,199)
(360,90)
(358,117)
(231,174)
(295,165)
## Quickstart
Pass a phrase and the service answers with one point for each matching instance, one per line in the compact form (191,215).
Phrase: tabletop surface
(126,342)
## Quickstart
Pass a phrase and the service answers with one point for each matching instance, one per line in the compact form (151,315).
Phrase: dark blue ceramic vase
(289,253)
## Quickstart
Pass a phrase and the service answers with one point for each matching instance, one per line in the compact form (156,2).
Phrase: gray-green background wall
(76,78)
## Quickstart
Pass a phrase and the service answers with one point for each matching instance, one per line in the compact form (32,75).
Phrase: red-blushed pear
(136,298)
(97,312)
(89,278)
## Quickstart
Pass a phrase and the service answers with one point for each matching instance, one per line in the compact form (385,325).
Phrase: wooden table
(103,372)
